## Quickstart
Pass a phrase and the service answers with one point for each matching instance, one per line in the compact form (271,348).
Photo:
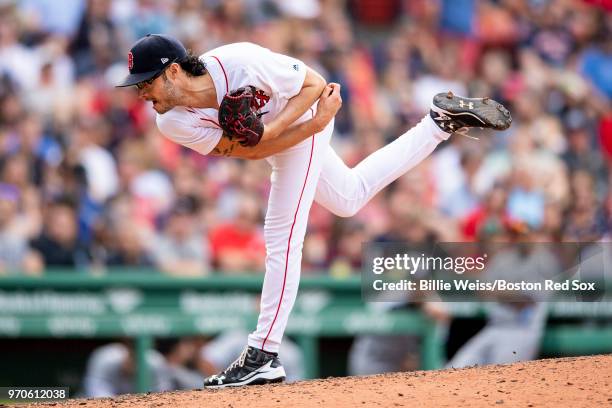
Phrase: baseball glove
(238,116)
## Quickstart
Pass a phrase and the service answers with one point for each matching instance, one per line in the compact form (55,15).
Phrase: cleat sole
(490,113)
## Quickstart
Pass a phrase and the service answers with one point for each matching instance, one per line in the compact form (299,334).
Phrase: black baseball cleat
(253,366)
(456,114)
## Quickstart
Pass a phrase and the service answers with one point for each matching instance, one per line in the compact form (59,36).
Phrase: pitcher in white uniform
(186,91)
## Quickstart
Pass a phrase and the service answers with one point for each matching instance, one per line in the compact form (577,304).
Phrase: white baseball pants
(311,171)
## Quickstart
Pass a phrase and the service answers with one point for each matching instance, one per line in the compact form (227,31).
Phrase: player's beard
(171,97)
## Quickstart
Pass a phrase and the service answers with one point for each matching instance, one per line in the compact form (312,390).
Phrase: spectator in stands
(16,170)
(13,243)
(128,247)
(142,179)
(39,149)
(87,149)
(346,248)
(17,60)
(180,249)
(581,222)
(58,244)
(238,246)
(95,44)
(525,201)
(462,199)
(491,212)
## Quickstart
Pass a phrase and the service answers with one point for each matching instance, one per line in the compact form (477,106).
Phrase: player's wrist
(322,118)
(318,123)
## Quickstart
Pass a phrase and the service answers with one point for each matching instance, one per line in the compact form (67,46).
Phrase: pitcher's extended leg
(344,191)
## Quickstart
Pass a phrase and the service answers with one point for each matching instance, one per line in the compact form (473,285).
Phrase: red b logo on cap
(130,61)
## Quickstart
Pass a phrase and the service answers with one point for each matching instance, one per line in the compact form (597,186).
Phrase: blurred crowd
(88,183)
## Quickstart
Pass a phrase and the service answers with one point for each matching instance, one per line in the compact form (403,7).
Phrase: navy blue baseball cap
(150,56)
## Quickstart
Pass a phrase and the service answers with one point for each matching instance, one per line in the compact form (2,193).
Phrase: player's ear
(173,71)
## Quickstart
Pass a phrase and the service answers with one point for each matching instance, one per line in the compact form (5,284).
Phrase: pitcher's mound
(565,382)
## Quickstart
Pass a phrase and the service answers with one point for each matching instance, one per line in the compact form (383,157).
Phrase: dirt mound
(575,382)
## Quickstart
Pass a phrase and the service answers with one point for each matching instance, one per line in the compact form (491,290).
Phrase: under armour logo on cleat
(470,105)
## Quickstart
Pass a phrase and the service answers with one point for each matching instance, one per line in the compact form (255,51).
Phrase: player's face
(159,91)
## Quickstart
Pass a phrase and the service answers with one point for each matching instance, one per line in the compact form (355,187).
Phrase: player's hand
(329,104)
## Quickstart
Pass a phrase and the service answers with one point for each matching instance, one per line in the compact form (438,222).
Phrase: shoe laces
(463,131)
(239,362)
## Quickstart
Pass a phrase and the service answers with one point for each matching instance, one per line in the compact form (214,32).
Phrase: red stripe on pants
(289,245)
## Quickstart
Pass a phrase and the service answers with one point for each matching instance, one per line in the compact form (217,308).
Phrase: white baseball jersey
(307,171)
(277,78)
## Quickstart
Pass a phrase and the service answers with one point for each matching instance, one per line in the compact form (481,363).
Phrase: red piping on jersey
(224,74)
(289,241)
(210,120)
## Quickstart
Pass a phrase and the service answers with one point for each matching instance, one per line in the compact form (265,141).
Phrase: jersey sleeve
(276,73)
(201,139)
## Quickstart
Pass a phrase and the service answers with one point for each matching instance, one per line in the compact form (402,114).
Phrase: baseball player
(197,107)
(514,327)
